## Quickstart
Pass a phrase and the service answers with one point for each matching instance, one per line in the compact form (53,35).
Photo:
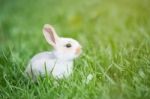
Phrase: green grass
(115,35)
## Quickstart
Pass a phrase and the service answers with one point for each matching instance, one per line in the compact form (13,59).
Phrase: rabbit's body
(59,62)
(47,62)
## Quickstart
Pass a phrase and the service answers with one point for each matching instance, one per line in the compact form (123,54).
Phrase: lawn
(115,35)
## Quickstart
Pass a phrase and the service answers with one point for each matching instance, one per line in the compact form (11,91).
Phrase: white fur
(58,63)
(46,62)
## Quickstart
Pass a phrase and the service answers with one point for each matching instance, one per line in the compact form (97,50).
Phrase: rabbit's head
(64,48)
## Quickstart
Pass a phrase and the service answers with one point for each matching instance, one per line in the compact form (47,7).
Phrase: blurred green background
(115,35)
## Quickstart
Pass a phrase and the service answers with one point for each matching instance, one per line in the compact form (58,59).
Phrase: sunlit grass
(115,35)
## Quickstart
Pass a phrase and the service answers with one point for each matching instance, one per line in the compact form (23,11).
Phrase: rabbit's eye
(68,45)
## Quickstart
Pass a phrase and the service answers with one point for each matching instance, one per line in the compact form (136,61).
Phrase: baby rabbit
(58,62)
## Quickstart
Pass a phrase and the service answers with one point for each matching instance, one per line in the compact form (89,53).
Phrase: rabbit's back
(43,55)
(47,61)
(38,62)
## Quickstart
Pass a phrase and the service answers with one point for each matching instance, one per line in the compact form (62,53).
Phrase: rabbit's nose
(78,50)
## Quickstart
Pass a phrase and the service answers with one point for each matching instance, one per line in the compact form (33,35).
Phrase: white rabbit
(59,62)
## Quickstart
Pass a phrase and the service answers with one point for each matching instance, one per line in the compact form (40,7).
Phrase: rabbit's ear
(50,34)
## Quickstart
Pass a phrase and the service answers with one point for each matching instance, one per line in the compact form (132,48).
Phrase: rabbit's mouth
(78,51)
